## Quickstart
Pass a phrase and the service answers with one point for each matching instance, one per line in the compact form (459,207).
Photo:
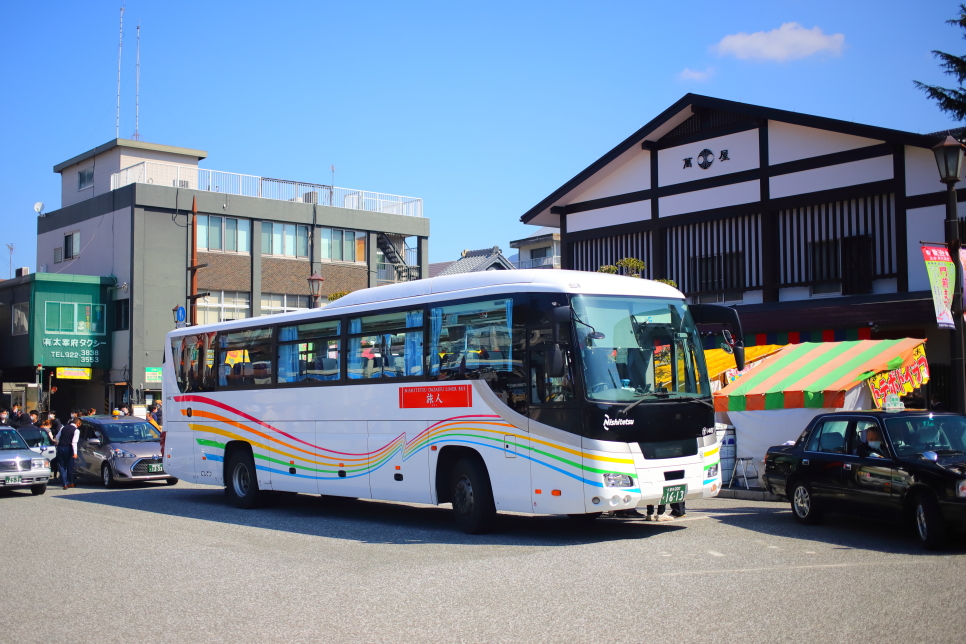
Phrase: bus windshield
(638,348)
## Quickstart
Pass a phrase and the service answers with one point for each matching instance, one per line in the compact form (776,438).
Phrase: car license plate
(674,494)
(10,480)
(155,468)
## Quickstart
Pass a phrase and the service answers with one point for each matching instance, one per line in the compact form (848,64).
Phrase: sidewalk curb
(750,495)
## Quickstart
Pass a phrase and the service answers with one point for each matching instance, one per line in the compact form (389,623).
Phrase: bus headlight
(712,472)
(618,480)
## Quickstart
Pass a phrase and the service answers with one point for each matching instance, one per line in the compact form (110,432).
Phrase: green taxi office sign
(70,321)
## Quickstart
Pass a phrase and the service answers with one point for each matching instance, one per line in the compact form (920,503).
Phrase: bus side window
(475,341)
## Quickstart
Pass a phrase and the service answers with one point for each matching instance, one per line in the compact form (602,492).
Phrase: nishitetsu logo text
(610,422)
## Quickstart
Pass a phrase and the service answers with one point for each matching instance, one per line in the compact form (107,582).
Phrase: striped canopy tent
(814,375)
(718,361)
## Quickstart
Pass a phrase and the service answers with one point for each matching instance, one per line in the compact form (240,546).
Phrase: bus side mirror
(555,362)
(739,350)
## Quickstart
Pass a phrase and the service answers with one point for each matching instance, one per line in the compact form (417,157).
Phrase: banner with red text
(941,271)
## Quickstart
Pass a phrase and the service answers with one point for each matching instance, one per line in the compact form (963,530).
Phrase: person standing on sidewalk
(67,451)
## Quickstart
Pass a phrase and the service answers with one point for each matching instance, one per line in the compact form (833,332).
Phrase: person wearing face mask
(55,424)
(5,418)
(32,421)
(872,447)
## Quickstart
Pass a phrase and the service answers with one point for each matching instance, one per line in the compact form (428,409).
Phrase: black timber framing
(697,102)
(770,249)
(899,190)
(702,135)
(763,172)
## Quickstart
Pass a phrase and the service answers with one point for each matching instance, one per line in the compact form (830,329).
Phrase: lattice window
(714,256)
(822,242)
(591,254)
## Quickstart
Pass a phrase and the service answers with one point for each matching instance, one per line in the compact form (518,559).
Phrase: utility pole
(194,267)
(10,247)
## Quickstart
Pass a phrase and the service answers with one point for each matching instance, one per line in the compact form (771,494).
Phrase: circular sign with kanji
(705,159)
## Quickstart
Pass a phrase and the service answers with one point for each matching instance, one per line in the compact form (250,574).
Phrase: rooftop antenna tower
(120,43)
(10,247)
(137,88)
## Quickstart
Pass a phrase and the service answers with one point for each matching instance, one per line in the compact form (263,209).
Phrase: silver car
(20,466)
(118,449)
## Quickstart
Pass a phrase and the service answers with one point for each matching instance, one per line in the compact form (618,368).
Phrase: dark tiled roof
(439,267)
(477,260)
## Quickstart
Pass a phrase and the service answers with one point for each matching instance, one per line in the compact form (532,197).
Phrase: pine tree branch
(951,101)
(952,65)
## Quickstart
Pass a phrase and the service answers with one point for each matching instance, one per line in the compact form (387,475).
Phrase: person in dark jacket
(17,416)
(55,425)
(66,440)
(5,418)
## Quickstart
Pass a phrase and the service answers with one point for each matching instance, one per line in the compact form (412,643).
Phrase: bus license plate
(155,468)
(674,494)
(10,480)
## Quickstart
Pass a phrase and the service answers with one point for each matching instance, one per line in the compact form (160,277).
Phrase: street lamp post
(315,288)
(949,159)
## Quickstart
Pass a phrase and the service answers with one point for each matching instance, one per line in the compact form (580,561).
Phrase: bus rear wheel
(472,496)
(242,483)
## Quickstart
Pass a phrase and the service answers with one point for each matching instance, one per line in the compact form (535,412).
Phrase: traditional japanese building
(809,226)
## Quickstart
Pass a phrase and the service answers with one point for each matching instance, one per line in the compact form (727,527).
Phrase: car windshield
(634,348)
(35,437)
(128,432)
(911,435)
(10,439)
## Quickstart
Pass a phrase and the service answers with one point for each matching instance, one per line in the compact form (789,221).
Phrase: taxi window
(829,437)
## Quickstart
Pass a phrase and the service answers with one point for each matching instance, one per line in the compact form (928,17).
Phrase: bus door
(343,456)
(556,470)
(396,475)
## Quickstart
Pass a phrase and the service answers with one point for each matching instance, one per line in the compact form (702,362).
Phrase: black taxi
(908,465)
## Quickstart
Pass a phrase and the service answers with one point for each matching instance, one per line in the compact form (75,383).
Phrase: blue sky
(481,110)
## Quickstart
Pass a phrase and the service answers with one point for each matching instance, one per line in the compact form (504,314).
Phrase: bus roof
(481,283)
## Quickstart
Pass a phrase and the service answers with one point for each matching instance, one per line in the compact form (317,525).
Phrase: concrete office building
(809,226)
(126,214)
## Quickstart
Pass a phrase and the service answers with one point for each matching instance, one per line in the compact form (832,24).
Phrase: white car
(20,466)
(39,441)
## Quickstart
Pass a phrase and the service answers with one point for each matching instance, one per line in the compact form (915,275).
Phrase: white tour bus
(538,391)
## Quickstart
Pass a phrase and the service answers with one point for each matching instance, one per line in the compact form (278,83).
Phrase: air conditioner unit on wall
(21,272)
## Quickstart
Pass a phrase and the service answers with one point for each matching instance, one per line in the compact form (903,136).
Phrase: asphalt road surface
(165,565)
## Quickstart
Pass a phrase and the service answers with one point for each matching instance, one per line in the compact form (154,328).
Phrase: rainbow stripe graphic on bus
(278,452)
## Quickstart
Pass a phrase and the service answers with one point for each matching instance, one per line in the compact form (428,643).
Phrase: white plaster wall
(922,224)
(742,150)
(922,175)
(788,142)
(622,214)
(131,156)
(889,285)
(793,293)
(104,164)
(105,247)
(836,176)
(731,195)
(630,172)
(753,297)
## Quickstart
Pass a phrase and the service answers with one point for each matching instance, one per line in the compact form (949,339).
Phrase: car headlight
(37,463)
(961,488)
(117,452)
(618,480)
(712,471)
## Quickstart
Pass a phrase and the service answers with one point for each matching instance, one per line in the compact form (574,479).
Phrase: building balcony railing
(387,273)
(246,185)
(540,262)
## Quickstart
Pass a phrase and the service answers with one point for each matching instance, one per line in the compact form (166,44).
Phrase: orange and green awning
(814,375)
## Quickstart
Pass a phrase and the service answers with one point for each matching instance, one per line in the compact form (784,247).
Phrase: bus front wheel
(472,496)
(242,483)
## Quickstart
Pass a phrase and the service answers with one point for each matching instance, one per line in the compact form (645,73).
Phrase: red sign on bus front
(436,396)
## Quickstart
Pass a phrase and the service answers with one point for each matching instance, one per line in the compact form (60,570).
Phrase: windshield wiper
(664,398)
